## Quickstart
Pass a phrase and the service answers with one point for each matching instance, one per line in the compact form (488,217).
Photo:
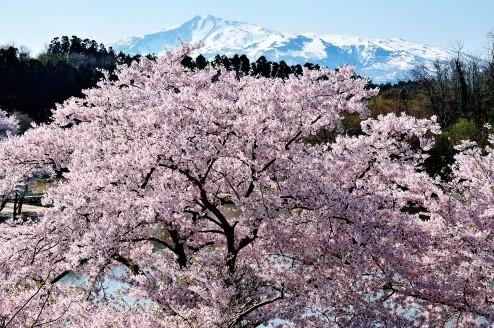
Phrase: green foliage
(441,157)
(463,129)
(83,53)
(351,125)
(402,97)
(32,86)
(442,154)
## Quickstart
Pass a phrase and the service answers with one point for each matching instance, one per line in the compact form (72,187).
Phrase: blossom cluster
(201,187)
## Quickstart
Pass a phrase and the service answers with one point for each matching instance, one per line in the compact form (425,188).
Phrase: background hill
(382,60)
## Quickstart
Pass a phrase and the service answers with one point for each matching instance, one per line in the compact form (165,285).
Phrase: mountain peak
(206,18)
(381,60)
(209,21)
(201,19)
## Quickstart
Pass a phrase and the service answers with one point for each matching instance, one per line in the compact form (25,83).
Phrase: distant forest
(459,92)
(31,87)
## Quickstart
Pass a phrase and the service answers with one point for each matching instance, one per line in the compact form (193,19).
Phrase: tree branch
(255,307)
(134,268)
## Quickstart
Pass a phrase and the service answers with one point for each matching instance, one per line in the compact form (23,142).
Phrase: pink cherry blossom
(8,124)
(201,187)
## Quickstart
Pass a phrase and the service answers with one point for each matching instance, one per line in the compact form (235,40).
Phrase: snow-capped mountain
(381,60)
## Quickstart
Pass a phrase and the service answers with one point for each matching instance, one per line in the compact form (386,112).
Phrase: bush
(463,129)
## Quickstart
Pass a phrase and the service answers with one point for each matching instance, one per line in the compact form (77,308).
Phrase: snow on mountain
(381,60)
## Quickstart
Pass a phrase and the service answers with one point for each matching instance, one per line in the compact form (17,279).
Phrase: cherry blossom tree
(197,193)
(8,124)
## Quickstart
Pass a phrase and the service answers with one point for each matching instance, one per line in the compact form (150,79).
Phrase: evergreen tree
(244,64)
(201,62)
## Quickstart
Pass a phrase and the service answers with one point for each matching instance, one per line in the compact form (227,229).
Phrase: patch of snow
(380,59)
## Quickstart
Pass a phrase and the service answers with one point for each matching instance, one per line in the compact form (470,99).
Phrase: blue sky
(33,23)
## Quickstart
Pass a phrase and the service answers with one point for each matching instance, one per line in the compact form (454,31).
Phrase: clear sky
(33,23)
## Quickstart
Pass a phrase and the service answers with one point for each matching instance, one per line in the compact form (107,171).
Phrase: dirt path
(26,209)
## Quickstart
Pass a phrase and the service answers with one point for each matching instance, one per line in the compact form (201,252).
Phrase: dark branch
(134,268)
(292,140)
(146,179)
(255,307)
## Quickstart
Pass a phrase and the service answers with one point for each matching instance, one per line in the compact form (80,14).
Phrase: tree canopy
(199,192)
